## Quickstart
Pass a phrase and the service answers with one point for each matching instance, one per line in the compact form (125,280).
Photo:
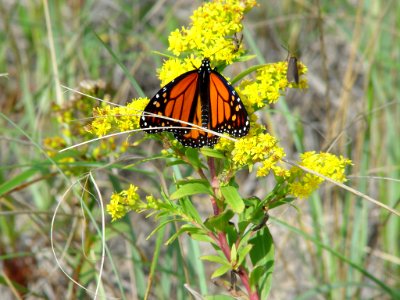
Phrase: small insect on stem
(233,280)
(292,74)
(262,223)
(237,42)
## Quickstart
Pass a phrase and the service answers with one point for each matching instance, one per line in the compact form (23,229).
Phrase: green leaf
(246,72)
(162,225)
(262,257)
(192,155)
(243,253)
(212,153)
(17,180)
(245,239)
(156,256)
(189,189)
(254,213)
(216,259)
(176,162)
(221,271)
(233,253)
(245,58)
(252,201)
(190,229)
(190,210)
(233,198)
(219,222)
(283,201)
(202,238)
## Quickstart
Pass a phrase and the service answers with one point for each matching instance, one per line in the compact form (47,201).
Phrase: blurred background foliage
(104,48)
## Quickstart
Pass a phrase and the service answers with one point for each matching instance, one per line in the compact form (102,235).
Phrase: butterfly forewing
(227,111)
(172,102)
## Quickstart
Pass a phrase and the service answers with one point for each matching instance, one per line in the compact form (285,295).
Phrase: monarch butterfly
(202,97)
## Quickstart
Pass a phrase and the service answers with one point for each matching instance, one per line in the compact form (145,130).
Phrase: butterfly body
(196,100)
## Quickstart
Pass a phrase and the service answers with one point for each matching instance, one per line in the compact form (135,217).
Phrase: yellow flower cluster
(54,144)
(102,120)
(73,121)
(123,202)
(269,84)
(211,24)
(174,67)
(256,147)
(118,118)
(303,183)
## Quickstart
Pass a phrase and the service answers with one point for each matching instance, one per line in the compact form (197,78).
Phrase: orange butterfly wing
(227,110)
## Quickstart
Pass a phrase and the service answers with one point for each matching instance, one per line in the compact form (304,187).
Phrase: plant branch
(214,184)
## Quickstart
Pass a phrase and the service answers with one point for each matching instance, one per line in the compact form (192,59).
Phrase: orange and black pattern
(198,98)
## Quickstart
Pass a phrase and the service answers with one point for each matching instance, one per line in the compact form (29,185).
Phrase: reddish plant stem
(221,236)
(214,184)
(215,206)
(245,279)
(224,246)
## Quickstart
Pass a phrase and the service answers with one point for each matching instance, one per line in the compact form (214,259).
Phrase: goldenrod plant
(168,149)
(237,231)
